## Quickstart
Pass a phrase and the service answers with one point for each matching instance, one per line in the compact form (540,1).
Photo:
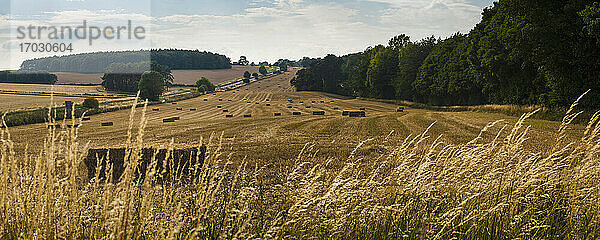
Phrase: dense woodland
(98,62)
(30,77)
(526,52)
(125,77)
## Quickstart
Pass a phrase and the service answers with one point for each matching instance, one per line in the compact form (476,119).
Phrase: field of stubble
(417,175)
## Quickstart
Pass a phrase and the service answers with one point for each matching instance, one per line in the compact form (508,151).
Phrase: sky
(262,30)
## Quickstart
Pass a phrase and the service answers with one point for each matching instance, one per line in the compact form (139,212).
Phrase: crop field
(46,89)
(322,175)
(184,77)
(189,77)
(263,99)
(78,78)
(12,102)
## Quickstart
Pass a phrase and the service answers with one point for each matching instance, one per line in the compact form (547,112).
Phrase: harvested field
(78,78)
(189,77)
(44,88)
(16,102)
(294,130)
(450,171)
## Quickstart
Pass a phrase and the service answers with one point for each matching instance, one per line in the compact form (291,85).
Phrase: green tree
(283,66)
(356,71)
(243,60)
(447,76)
(90,103)
(204,85)
(255,75)
(399,42)
(165,71)
(591,18)
(151,85)
(262,70)
(247,75)
(382,69)
(410,59)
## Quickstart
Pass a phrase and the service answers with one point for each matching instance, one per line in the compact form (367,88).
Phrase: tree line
(522,52)
(126,77)
(29,77)
(99,61)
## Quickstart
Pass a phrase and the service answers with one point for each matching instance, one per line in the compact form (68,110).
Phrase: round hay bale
(229,116)
(247,115)
(319,113)
(276,114)
(296,113)
(86,119)
(225,110)
(107,124)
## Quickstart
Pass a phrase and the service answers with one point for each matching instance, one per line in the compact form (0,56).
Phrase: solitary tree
(151,85)
(90,103)
(203,85)
(165,71)
(262,70)
(247,75)
(255,75)
(243,60)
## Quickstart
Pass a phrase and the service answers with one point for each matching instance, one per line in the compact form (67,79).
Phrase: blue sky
(260,29)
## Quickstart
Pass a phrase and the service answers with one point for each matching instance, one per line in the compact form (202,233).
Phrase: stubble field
(416,174)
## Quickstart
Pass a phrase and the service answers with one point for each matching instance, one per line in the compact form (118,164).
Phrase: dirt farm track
(265,137)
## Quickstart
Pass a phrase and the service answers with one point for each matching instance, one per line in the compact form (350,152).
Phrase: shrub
(262,70)
(91,103)
(203,85)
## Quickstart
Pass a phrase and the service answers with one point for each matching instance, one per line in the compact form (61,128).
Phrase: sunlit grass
(421,188)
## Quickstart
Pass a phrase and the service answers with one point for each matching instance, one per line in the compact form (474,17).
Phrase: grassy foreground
(419,189)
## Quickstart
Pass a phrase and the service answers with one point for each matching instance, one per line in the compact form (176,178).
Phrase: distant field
(190,77)
(44,88)
(78,78)
(16,102)
(181,76)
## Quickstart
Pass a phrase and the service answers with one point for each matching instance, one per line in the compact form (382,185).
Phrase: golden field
(417,174)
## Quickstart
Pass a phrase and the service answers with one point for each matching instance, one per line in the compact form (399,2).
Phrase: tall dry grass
(421,189)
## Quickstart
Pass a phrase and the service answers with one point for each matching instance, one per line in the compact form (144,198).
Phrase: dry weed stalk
(421,189)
